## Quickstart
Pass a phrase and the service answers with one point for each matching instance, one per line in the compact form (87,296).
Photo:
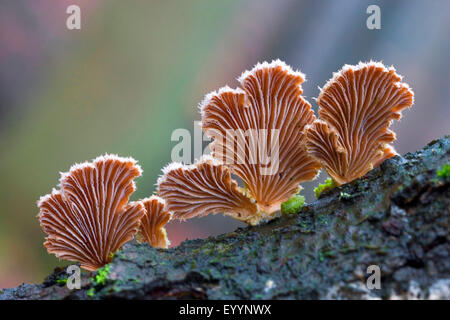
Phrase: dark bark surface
(396,217)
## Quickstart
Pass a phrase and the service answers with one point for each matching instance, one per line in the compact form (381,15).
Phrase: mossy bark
(396,217)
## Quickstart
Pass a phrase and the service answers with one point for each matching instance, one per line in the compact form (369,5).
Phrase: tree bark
(396,217)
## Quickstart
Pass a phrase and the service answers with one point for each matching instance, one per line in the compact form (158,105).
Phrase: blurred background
(137,70)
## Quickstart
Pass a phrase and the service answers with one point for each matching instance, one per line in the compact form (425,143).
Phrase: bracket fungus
(202,188)
(265,120)
(257,134)
(155,218)
(89,218)
(356,108)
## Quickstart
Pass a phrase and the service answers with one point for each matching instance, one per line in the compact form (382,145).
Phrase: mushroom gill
(155,218)
(90,218)
(202,188)
(356,108)
(258,130)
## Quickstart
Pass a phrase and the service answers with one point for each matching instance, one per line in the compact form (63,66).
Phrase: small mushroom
(356,108)
(202,188)
(89,218)
(267,116)
(155,218)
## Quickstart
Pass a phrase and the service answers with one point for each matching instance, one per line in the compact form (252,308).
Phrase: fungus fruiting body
(89,218)
(257,134)
(356,108)
(264,118)
(155,218)
(205,187)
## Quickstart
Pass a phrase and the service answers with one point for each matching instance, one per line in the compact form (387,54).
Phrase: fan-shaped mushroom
(258,132)
(202,188)
(152,228)
(89,218)
(356,108)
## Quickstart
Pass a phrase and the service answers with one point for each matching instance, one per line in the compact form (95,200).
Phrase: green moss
(293,205)
(328,254)
(444,171)
(321,257)
(102,275)
(91,292)
(326,186)
(62,279)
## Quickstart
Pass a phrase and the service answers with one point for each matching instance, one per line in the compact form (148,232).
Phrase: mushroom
(202,188)
(264,122)
(155,218)
(356,108)
(89,218)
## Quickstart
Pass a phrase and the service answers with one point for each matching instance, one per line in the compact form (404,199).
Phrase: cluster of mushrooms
(90,216)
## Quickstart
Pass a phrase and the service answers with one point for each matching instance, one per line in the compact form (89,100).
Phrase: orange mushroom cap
(90,218)
(266,117)
(356,108)
(152,228)
(202,188)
